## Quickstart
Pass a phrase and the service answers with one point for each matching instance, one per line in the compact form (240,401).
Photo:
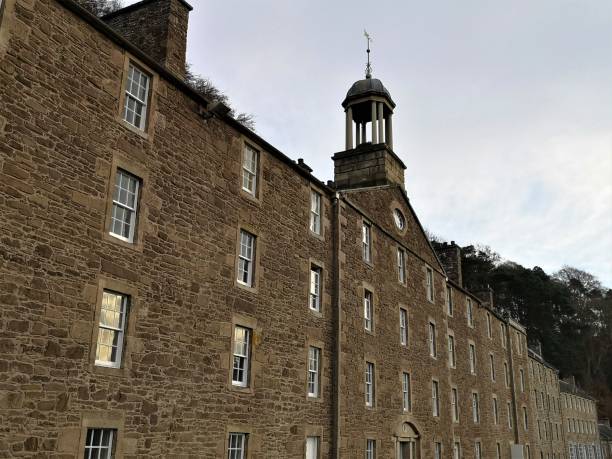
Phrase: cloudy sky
(503,118)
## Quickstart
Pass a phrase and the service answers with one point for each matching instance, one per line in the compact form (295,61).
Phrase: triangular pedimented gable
(378,204)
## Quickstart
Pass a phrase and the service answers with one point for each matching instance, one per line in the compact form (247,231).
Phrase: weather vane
(368,65)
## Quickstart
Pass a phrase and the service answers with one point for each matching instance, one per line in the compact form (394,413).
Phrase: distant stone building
(605,438)
(172,285)
(580,417)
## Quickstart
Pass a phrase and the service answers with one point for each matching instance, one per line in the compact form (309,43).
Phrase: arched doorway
(408,443)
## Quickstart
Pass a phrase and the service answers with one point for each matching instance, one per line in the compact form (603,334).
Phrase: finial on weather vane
(368,66)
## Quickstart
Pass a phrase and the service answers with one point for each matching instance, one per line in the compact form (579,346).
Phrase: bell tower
(368,159)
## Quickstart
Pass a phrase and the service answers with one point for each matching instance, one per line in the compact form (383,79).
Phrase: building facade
(580,417)
(172,285)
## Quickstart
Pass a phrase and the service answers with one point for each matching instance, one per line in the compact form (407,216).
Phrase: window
(314,371)
(437,450)
(455,404)
(111,329)
(506,375)
(527,452)
(406,396)
(400,221)
(477,450)
(433,348)
(492,365)
(315,288)
(495,411)
(100,443)
(452,361)
(250,164)
(136,98)
(315,212)
(242,347)
(498,450)
(370,449)
(522,378)
(509,415)
(430,284)
(489,330)
(449,300)
(367,242)
(475,408)
(525,418)
(519,347)
(401,265)
(246,258)
(403,326)
(312,447)
(470,312)
(369,384)
(368,309)
(472,356)
(125,203)
(456,450)
(502,334)
(435,398)
(237,446)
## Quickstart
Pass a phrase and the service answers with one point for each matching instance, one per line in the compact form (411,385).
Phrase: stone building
(580,418)
(172,285)
(546,405)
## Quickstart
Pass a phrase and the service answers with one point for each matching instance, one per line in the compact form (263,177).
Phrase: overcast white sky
(503,118)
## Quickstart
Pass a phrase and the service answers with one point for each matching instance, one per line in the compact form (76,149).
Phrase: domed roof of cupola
(366,88)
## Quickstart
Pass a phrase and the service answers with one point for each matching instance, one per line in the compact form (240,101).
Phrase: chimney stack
(156,27)
(450,257)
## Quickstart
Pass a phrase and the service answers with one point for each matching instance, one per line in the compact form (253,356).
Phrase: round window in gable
(400,221)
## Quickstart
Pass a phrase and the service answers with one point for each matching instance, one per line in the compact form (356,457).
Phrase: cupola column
(374,124)
(349,128)
(389,131)
(380,122)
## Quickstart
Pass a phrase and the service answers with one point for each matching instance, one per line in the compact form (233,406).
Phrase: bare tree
(205,87)
(101,7)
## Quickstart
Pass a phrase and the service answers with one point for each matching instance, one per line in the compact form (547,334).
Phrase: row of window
(581,426)
(579,403)
(546,431)
(581,451)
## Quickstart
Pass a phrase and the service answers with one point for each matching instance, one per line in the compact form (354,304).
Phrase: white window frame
(403,319)
(429,281)
(435,398)
(368,310)
(370,384)
(237,444)
(116,331)
(449,301)
(452,356)
(401,265)
(314,371)
(525,418)
(100,451)
(312,447)
(366,238)
(477,450)
(406,392)
(315,212)
(498,450)
(469,306)
(510,420)
(492,365)
(314,296)
(133,210)
(370,448)
(506,375)
(433,347)
(504,337)
(456,450)
(437,450)
(138,101)
(495,410)
(489,326)
(246,258)
(475,408)
(241,353)
(522,379)
(455,404)
(472,357)
(250,169)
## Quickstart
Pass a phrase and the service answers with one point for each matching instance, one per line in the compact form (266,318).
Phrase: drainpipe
(338,323)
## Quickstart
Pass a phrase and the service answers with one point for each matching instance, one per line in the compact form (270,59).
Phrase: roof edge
(137,5)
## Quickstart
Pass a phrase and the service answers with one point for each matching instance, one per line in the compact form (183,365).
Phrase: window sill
(140,132)
(246,287)
(136,245)
(253,198)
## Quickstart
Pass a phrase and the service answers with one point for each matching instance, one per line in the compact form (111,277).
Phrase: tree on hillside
(101,7)
(205,87)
